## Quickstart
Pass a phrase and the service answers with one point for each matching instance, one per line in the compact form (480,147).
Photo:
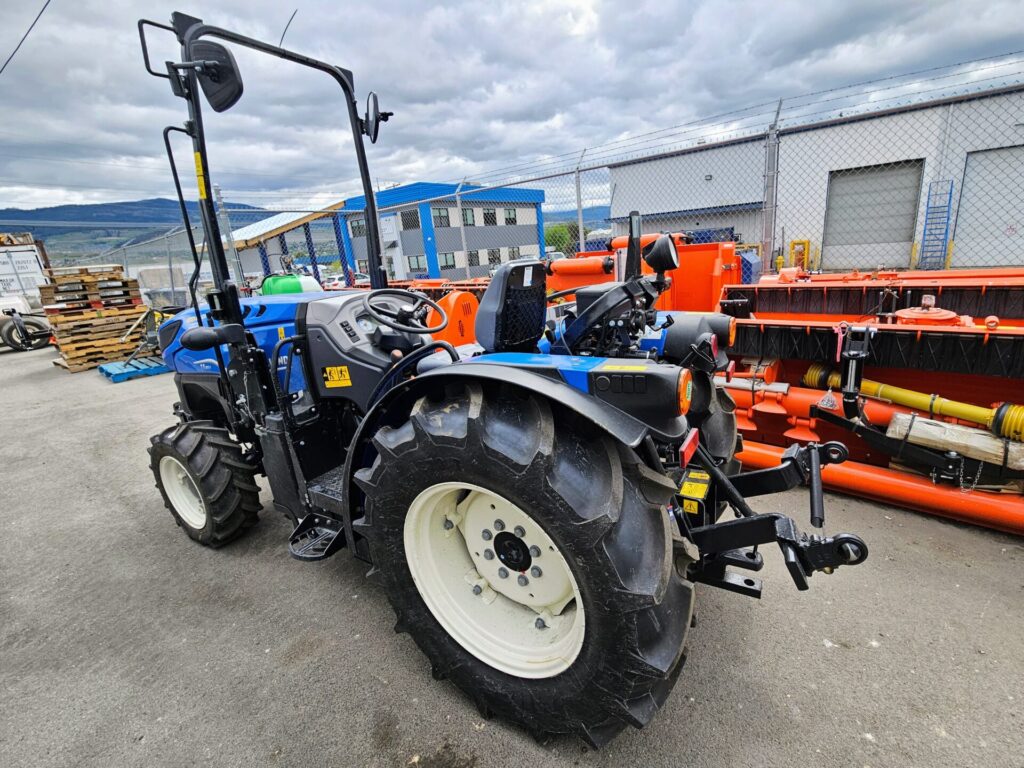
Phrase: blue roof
(426,190)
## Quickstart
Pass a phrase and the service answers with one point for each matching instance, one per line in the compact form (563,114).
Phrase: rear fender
(395,407)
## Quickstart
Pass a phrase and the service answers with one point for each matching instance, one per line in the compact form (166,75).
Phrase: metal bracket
(803,554)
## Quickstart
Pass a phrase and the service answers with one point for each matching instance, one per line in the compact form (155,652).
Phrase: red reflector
(689,447)
(730,370)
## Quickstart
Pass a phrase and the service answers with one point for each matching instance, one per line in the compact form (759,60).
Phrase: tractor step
(316,537)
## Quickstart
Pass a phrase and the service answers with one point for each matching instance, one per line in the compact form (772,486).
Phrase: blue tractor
(537,506)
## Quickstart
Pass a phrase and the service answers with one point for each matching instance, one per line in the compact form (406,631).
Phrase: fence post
(312,250)
(462,224)
(170,269)
(771,188)
(580,234)
(225,226)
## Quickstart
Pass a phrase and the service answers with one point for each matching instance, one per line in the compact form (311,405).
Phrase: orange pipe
(584,265)
(1000,511)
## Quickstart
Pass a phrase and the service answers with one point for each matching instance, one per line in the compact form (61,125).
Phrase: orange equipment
(461,308)
(993,510)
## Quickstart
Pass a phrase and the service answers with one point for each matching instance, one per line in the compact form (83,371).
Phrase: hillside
(87,229)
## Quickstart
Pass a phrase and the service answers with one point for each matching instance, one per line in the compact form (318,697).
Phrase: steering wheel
(410,317)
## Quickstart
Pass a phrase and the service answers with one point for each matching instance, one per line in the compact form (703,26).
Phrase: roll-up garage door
(990,224)
(870,216)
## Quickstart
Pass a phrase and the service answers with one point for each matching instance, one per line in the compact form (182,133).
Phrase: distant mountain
(79,229)
(591,215)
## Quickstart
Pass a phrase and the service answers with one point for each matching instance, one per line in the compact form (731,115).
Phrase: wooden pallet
(89,361)
(140,366)
(57,273)
(57,315)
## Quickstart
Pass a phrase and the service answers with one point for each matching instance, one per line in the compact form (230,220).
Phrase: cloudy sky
(475,86)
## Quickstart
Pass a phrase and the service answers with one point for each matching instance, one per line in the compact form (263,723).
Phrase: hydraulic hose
(1006,420)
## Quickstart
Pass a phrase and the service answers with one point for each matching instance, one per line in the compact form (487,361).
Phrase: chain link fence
(919,172)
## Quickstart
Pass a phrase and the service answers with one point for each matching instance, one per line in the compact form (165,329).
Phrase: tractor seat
(513,308)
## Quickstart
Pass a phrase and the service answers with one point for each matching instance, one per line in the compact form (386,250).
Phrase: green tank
(276,284)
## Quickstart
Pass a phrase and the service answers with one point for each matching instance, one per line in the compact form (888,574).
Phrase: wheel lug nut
(523,581)
(488,554)
(539,624)
(487,535)
(535,551)
(477,589)
(519,531)
(499,525)
(503,572)
(536,572)
(448,524)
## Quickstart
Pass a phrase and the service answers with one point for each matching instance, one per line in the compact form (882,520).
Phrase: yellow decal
(609,367)
(696,484)
(200,179)
(691,507)
(280,332)
(336,376)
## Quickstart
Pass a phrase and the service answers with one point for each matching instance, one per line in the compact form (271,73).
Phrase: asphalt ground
(123,643)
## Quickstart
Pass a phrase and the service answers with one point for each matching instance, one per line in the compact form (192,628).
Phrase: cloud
(474,86)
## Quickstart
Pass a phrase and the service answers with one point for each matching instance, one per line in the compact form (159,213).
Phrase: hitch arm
(803,554)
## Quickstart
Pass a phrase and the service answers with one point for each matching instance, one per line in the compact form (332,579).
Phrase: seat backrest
(513,308)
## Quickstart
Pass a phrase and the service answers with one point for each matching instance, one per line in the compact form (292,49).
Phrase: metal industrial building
(421,234)
(938,183)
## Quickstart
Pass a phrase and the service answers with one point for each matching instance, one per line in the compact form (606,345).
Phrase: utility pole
(225,227)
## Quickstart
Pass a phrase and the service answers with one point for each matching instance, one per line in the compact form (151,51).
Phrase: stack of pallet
(91,309)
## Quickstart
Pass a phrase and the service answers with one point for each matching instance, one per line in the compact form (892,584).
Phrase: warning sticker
(610,367)
(280,332)
(200,180)
(695,484)
(691,507)
(336,376)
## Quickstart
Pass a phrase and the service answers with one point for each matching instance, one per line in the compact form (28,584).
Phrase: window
(441,217)
(362,265)
(473,258)
(418,262)
(510,216)
(446,260)
(490,217)
(411,219)
(513,253)
(468,217)
(494,255)
(358,227)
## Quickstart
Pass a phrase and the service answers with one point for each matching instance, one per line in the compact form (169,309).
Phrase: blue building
(423,233)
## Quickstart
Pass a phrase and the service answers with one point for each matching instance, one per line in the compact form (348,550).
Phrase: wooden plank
(80,270)
(78,316)
(970,441)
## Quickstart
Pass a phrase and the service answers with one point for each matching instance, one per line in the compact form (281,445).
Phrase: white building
(857,187)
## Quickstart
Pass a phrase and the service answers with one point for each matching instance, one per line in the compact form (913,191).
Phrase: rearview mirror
(371,121)
(219,76)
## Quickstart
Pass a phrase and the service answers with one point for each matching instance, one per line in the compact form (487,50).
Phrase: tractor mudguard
(395,406)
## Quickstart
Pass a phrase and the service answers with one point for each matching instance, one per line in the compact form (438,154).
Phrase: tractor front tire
(529,555)
(206,481)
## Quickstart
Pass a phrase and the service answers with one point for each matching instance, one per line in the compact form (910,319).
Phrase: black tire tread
(611,512)
(225,480)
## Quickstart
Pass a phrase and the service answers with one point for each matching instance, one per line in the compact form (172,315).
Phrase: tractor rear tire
(588,506)
(206,481)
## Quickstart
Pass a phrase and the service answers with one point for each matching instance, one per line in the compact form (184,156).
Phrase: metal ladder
(936,225)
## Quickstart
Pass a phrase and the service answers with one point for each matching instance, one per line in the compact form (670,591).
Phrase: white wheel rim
(182,492)
(528,623)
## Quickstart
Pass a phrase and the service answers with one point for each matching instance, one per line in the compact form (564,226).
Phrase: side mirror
(371,122)
(219,77)
(661,255)
(374,117)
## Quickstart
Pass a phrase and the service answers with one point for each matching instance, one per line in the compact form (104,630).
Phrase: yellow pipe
(1011,425)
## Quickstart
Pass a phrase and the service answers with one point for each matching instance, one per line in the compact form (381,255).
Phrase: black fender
(395,406)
